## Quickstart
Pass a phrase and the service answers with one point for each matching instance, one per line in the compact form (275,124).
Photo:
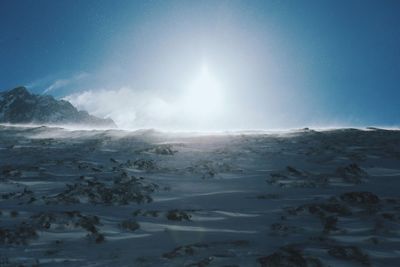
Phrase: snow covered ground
(145,198)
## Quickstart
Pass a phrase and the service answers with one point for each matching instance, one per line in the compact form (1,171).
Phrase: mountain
(20,106)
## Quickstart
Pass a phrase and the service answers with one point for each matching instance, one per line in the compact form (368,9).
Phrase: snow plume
(129,109)
(60,83)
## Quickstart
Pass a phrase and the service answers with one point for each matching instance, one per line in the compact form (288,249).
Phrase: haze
(209,65)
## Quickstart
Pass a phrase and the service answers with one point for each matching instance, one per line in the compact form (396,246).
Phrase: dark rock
(351,173)
(179,251)
(294,171)
(351,253)
(283,229)
(330,224)
(90,223)
(123,191)
(130,225)
(178,215)
(143,164)
(330,207)
(18,235)
(164,150)
(288,257)
(362,198)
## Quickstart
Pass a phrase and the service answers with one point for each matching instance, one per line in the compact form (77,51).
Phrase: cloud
(138,109)
(60,83)
(129,109)
(42,82)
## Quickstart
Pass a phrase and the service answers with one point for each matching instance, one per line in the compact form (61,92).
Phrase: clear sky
(209,64)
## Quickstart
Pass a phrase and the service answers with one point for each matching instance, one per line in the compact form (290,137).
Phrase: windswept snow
(145,198)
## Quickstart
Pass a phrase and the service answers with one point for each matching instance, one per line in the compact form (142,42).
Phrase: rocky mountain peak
(18,105)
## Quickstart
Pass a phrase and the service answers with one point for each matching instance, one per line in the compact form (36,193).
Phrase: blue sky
(277,63)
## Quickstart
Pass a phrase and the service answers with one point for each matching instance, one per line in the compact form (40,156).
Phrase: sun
(203,99)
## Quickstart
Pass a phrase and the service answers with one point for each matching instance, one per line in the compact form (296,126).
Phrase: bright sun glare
(203,99)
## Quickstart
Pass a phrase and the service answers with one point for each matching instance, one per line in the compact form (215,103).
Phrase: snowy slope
(117,198)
